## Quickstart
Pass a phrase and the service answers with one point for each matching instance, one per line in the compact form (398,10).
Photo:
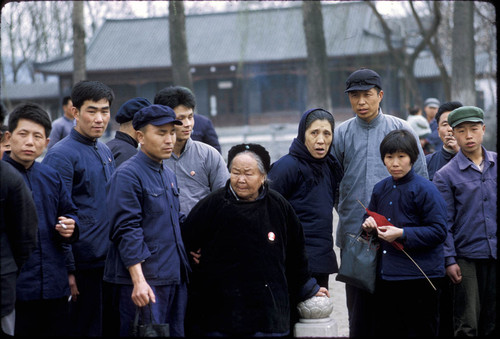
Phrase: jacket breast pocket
(154,201)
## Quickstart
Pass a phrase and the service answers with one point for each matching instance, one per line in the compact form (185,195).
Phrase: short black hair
(32,112)
(399,140)
(3,113)
(413,110)
(65,100)
(174,96)
(90,90)
(447,107)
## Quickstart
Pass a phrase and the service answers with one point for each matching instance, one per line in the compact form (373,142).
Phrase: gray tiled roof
(23,91)
(425,65)
(250,36)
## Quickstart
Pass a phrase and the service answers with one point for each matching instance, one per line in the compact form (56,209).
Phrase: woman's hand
(369,225)
(389,233)
(323,292)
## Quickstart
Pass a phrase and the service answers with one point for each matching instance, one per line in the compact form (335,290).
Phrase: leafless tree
(181,74)
(79,47)
(318,84)
(406,57)
(463,61)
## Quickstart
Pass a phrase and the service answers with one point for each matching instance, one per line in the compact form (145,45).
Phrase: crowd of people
(155,218)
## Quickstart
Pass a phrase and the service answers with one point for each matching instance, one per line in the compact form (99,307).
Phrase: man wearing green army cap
(468,184)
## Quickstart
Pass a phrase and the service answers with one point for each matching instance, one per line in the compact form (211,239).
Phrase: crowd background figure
(349,153)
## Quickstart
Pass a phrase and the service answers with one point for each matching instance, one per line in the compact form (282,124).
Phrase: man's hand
(65,226)
(72,286)
(455,274)
(196,256)
(142,292)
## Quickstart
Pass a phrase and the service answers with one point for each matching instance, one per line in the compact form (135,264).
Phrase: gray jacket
(356,146)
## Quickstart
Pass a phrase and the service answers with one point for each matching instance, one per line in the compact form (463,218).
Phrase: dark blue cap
(155,115)
(362,80)
(129,108)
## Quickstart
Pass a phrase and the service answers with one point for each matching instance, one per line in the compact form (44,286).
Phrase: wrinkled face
(246,178)
(469,136)
(186,115)
(92,118)
(27,142)
(445,131)
(318,138)
(157,142)
(398,164)
(366,103)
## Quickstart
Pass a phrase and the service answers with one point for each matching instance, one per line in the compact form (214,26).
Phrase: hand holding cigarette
(65,226)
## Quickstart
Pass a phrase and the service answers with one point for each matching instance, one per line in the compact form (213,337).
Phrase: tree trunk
(181,74)
(318,85)
(79,48)
(463,68)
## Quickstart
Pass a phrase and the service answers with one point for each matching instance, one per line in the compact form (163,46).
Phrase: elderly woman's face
(318,138)
(246,178)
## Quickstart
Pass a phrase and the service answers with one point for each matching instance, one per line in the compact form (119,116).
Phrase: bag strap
(140,310)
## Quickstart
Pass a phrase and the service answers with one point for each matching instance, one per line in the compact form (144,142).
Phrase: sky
(140,7)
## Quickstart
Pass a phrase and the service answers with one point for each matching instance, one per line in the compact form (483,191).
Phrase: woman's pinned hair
(259,150)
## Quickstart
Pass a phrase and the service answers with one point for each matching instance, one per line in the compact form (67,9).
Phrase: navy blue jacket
(436,160)
(143,207)
(45,275)
(86,166)
(309,185)
(123,146)
(204,131)
(18,232)
(414,204)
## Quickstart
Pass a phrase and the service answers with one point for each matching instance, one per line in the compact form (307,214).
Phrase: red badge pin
(271,236)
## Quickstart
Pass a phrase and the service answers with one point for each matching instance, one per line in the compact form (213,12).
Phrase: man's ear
(76,113)
(140,136)
(8,135)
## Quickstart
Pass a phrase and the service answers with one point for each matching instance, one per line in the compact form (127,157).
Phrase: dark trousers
(87,313)
(407,308)
(360,310)
(45,317)
(170,307)
(446,308)
(474,299)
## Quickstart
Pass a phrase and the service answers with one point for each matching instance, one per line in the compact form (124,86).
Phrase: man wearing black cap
(468,184)
(356,145)
(124,145)
(147,262)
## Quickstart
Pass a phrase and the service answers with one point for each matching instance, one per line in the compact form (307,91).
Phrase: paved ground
(337,293)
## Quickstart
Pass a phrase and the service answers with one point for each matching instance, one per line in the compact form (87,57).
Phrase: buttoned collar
(6,157)
(464,161)
(372,123)
(83,139)
(409,176)
(154,165)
